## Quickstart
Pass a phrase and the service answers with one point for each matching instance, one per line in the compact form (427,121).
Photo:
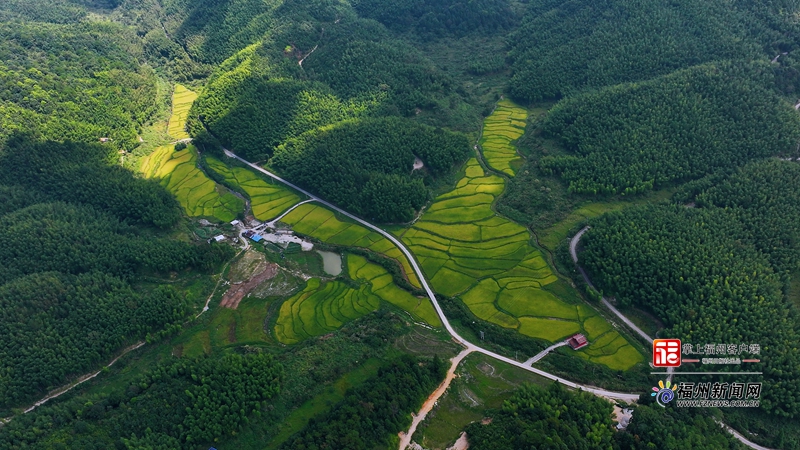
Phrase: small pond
(331,262)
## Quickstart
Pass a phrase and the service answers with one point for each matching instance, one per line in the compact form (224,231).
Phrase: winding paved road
(573,251)
(594,390)
(456,337)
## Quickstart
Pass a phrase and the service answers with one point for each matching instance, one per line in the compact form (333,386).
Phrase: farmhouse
(256,237)
(577,341)
(219,237)
(235,223)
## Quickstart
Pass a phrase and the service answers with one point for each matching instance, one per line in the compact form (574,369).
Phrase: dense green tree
(699,272)
(765,196)
(673,429)
(81,173)
(56,325)
(76,81)
(564,47)
(551,417)
(439,18)
(365,166)
(640,136)
(373,412)
(178,404)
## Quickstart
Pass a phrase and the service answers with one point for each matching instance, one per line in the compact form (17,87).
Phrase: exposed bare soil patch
(237,292)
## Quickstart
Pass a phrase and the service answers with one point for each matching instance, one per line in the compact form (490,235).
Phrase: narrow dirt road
(418,271)
(405,438)
(82,379)
(627,397)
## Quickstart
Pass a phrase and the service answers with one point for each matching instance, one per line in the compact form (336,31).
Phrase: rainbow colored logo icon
(664,394)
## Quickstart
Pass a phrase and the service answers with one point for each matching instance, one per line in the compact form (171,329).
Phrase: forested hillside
(177,404)
(546,418)
(81,173)
(726,262)
(635,137)
(251,110)
(437,18)
(71,80)
(673,429)
(71,253)
(765,197)
(566,47)
(380,405)
(369,163)
(321,68)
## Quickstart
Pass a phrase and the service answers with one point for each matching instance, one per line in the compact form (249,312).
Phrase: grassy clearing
(198,195)
(321,223)
(482,385)
(504,126)
(182,100)
(267,199)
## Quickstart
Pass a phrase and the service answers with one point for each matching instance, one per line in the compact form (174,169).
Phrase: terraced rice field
(321,223)
(325,306)
(182,100)
(504,126)
(198,195)
(321,308)
(469,252)
(268,199)
(382,285)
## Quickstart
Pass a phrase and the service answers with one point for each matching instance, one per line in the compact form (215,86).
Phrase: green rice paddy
(321,223)
(182,100)
(198,195)
(322,307)
(504,126)
(267,199)
(468,251)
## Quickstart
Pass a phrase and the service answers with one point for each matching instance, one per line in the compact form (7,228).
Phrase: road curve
(594,390)
(468,345)
(573,251)
(573,246)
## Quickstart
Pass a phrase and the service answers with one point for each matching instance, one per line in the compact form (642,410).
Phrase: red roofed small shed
(577,341)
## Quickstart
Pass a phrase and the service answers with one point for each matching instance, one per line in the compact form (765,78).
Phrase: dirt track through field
(237,292)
